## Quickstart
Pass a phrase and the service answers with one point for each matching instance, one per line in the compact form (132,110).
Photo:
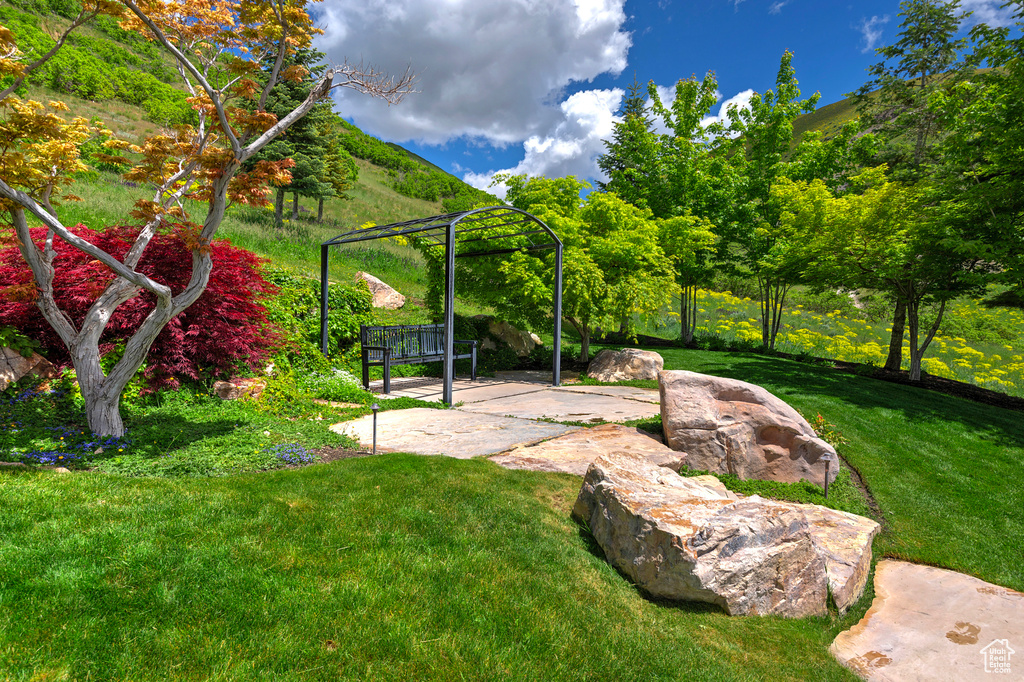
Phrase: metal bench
(405,345)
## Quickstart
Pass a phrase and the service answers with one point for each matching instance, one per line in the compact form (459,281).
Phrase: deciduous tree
(764,135)
(217,47)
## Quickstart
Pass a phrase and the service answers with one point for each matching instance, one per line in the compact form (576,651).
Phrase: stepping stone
(647,395)
(930,624)
(454,433)
(553,403)
(573,452)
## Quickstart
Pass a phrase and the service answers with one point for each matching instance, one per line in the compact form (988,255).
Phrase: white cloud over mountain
(490,70)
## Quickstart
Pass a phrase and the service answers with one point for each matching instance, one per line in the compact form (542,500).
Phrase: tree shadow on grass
(159,435)
(1002,426)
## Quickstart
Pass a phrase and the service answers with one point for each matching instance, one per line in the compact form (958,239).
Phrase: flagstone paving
(425,431)
(932,624)
(563,405)
(573,452)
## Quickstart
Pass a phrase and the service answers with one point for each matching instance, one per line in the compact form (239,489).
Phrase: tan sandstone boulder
(13,366)
(625,364)
(726,426)
(236,389)
(522,342)
(690,539)
(383,295)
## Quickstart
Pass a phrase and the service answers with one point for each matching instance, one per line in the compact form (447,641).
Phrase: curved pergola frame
(482,229)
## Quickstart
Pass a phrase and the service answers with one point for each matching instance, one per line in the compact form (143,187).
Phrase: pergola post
(324,252)
(449,314)
(556,360)
(501,223)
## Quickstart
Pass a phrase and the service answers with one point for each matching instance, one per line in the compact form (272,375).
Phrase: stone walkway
(500,414)
(931,624)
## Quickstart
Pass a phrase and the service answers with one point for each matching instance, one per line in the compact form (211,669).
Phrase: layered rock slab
(929,623)
(727,426)
(687,539)
(625,365)
(573,452)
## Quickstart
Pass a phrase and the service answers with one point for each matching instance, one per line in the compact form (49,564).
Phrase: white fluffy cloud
(740,101)
(871,29)
(572,147)
(495,70)
(989,12)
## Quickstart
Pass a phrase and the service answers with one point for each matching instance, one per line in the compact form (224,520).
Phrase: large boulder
(726,426)
(522,342)
(625,364)
(383,295)
(14,366)
(690,539)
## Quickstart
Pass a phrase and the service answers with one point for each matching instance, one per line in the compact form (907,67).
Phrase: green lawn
(405,567)
(394,567)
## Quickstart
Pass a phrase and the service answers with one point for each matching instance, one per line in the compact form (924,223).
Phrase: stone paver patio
(424,431)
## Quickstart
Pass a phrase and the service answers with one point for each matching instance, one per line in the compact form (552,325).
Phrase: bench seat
(384,346)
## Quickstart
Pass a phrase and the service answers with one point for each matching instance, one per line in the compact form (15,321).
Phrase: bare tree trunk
(582,328)
(773,298)
(917,352)
(279,208)
(295,206)
(899,320)
(687,312)
(320,211)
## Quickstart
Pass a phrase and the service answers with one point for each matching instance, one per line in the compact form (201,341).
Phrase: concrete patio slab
(573,452)
(454,433)
(647,395)
(554,403)
(463,390)
(933,624)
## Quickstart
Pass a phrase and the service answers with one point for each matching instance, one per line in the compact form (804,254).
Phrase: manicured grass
(394,567)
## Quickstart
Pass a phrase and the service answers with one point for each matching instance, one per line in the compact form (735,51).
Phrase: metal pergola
(490,231)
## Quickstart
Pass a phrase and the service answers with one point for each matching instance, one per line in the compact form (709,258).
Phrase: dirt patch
(335,454)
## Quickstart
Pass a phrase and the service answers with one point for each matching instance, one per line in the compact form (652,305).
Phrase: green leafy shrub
(336,384)
(11,338)
(296,310)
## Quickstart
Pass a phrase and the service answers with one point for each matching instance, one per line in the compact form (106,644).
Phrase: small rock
(522,342)
(13,366)
(61,470)
(625,364)
(573,452)
(236,389)
(384,296)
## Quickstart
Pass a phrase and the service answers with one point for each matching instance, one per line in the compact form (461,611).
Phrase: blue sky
(532,86)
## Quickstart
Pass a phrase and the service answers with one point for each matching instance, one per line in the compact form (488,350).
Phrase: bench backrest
(404,341)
